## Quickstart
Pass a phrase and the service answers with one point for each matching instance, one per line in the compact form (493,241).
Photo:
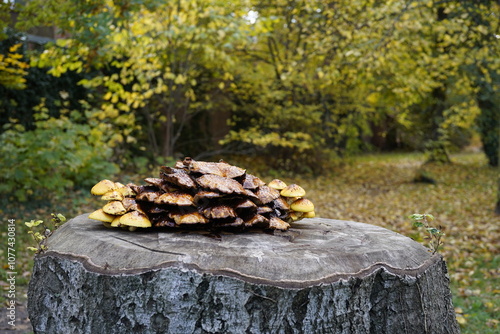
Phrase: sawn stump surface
(321,276)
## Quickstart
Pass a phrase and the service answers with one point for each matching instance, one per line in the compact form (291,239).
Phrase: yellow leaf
(14,47)
(461,320)
(180,79)
(482,29)
(373,98)
(489,305)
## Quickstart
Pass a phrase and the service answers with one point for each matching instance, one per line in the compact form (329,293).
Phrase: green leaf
(416,216)
(429,217)
(433,230)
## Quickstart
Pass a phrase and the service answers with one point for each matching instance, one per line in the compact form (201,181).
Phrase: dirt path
(23,325)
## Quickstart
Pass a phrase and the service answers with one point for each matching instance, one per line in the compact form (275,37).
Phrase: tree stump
(321,276)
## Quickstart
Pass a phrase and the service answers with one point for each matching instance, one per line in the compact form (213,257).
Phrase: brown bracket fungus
(202,195)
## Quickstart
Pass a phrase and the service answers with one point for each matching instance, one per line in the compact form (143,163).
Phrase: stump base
(323,276)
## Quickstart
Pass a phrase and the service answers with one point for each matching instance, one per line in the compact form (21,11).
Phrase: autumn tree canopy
(294,80)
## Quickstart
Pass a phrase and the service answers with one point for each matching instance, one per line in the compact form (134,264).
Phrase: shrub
(58,154)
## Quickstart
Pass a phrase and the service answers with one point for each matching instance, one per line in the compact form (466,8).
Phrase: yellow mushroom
(293,190)
(310,214)
(101,216)
(113,195)
(116,222)
(296,216)
(119,185)
(189,218)
(126,191)
(135,219)
(114,208)
(302,205)
(277,184)
(103,187)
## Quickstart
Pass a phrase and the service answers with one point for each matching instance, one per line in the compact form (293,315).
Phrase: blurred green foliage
(57,155)
(13,66)
(16,105)
(296,83)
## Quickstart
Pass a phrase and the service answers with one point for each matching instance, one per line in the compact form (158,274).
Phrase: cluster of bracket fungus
(204,195)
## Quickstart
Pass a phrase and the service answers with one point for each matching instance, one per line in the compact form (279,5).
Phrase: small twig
(435,234)
(41,238)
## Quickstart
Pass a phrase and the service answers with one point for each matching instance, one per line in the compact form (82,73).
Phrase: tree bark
(322,276)
(497,206)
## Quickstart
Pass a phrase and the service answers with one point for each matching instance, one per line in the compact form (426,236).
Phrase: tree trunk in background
(322,276)
(489,128)
(168,132)
(497,207)
(436,147)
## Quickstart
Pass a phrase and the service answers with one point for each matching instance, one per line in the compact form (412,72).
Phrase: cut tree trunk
(321,276)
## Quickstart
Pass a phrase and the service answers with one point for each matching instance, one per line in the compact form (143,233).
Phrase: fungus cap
(180,179)
(302,205)
(113,195)
(281,204)
(103,187)
(126,191)
(116,222)
(264,209)
(135,218)
(244,204)
(215,168)
(129,203)
(252,182)
(189,218)
(221,184)
(219,212)
(114,208)
(276,223)
(310,214)
(256,219)
(101,216)
(175,198)
(277,184)
(148,196)
(294,216)
(293,190)
(267,194)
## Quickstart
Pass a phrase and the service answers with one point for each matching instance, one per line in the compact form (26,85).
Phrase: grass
(378,189)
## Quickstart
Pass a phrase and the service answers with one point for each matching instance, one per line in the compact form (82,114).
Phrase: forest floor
(380,190)
(377,189)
